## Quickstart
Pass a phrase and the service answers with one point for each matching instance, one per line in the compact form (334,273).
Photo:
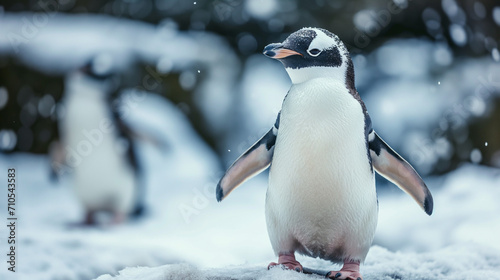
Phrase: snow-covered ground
(186,234)
(464,261)
(459,241)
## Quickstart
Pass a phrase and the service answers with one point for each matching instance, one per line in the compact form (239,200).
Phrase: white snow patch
(495,54)
(67,42)
(4,97)
(496,15)
(476,156)
(458,35)
(264,85)
(443,55)
(465,261)
(364,20)
(465,210)
(8,140)
(450,7)
(395,95)
(261,9)
(408,58)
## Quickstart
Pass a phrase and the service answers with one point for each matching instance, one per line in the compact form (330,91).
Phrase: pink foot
(349,271)
(288,261)
(118,218)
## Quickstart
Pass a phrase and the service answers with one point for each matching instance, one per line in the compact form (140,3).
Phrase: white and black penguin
(105,169)
(321,200)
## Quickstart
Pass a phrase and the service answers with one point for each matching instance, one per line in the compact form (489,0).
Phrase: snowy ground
(459,241)
(465,261)
(187,235)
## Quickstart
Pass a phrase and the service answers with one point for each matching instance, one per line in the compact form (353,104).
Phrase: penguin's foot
(88,221)
(349,271)
(287,261)
(119,218)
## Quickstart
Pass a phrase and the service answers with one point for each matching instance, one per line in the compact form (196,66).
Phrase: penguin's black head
(310,52)
(99,67)
(100,71)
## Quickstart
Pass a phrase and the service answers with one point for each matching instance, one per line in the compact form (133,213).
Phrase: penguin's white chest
(103,178)
(321,199)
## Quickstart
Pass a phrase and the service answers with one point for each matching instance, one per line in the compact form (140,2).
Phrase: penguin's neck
(86,100)
(320,99)
(300,75)
(82,87)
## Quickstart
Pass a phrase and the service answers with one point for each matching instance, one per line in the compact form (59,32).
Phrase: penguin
(322,151)
(98,146)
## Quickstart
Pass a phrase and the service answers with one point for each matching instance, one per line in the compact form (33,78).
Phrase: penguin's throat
(300,75)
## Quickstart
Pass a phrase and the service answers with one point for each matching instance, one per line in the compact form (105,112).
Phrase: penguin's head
(312,53)
(99,72)
(99,67)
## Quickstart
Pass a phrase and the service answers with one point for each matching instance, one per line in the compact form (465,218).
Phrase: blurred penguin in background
(97,146)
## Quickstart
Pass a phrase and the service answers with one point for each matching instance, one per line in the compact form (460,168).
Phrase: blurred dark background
(457,35)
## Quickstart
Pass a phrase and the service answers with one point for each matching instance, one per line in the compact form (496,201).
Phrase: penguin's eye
(314,52)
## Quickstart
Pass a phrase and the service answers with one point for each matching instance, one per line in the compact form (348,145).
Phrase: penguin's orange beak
(277,51)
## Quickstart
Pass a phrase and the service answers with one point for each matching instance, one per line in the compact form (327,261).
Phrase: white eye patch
(314,52)
(321,42)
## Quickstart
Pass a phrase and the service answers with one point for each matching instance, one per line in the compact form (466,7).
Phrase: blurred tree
(30,108)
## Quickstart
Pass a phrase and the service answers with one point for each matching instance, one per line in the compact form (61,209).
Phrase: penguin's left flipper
(397,170)
(249,164)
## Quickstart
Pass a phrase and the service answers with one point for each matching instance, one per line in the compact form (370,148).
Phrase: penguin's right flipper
(249,164)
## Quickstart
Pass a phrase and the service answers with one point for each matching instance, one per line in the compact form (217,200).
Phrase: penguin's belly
(103,179)
(321,199)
